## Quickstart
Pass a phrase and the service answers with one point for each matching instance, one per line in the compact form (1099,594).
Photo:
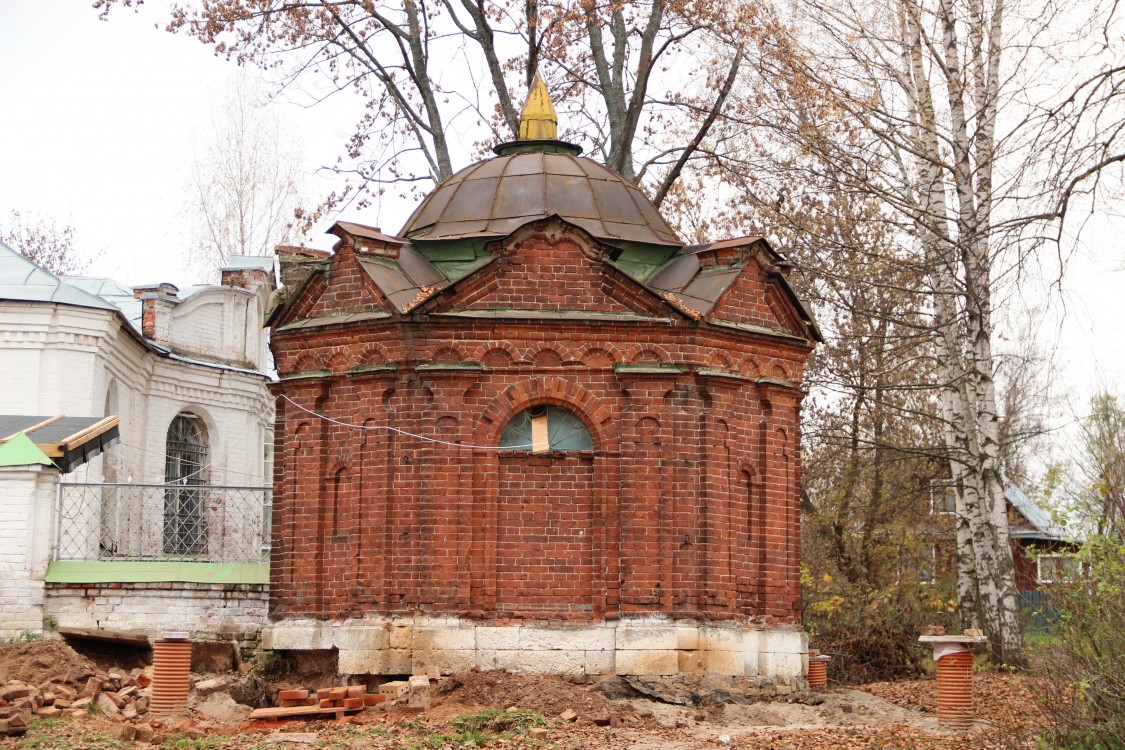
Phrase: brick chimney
(254,274)
(157,303)
(298,263)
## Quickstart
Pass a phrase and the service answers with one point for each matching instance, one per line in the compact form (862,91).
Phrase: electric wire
(397,431)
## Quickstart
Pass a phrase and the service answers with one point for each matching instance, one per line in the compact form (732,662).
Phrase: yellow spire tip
(538,121)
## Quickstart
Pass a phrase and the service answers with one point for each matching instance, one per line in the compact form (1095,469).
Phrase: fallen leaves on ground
(1004,702)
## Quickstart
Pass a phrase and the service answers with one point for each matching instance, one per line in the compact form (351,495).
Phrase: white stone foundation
(402,645)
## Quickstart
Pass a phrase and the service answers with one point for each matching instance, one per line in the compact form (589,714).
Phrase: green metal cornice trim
(776,333)
(162,571)
(629,369)
(723,374)
(307,375)
(567,315)
(450,367)
(334,320)
(779,383)
(373,369)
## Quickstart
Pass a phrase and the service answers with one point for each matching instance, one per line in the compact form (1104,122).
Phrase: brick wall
(544,539)
(687,506)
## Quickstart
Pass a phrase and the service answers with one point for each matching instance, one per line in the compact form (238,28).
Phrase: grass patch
(497,720)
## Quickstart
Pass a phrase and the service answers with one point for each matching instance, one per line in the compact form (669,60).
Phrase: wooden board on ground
(281,713)
(127,637)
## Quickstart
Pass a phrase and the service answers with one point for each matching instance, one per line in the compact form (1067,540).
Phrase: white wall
(220,323)
(27,495)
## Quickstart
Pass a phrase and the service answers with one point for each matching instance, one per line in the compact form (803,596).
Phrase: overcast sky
(100,123)
(96,131)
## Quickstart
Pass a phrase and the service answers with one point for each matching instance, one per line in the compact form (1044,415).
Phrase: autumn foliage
(1084,687)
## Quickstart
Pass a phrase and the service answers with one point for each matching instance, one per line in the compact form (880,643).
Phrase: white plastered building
(166,527)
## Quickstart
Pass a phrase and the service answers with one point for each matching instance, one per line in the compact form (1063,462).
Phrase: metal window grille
(130,522)
(184,464)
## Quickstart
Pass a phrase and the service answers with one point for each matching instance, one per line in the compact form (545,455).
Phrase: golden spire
(538,121)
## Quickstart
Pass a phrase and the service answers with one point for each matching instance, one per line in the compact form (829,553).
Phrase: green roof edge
(155,571)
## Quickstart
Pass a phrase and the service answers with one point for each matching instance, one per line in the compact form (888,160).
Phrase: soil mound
(40,660)
(546,694)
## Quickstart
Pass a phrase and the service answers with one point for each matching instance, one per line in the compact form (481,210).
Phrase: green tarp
(21,451)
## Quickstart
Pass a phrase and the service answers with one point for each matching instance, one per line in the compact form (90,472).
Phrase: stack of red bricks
(346,698)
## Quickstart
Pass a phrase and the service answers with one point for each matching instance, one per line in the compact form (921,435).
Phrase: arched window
(544,428)
(185,465)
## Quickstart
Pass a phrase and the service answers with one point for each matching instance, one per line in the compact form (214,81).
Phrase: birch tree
(957,117)
(244,187)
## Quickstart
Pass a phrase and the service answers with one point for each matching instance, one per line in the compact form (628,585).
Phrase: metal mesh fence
(171,522)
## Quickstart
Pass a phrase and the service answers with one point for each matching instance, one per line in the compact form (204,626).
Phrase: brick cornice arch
(556,391)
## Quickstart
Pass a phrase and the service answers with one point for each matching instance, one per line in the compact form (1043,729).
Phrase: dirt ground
(39,661)
(510,711)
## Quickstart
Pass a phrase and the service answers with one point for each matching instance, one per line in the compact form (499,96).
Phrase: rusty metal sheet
(695,303)
(597,171)
(632,232)
(523,195)
(710,286)
(480,170)
(570,197)
(390,279)
(564,164)
(472,201)
(362,230)
(732,242)
(656,221)
(430,210)
(420,270)
(533,186)
(403,298)
(524,164)
(615,204)
(593,226)
(676,274)
(451,229)
(510,224)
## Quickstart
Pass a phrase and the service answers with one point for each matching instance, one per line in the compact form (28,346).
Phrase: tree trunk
(965,353)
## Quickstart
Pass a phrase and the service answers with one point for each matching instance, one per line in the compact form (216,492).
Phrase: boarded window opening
(546,428)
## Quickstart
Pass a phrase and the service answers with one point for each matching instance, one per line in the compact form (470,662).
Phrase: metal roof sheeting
(405,281)
(1045,527)
(497,196)
(111,291)
(248,263)
(21,280)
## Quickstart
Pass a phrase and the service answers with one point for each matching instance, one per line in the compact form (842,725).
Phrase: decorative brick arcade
(610,481)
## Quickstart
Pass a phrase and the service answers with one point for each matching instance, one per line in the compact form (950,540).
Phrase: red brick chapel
(535,430)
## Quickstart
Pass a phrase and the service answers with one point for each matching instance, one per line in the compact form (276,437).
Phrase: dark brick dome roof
(495,197)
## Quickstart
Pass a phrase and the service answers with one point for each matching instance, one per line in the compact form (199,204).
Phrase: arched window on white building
(185,465)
